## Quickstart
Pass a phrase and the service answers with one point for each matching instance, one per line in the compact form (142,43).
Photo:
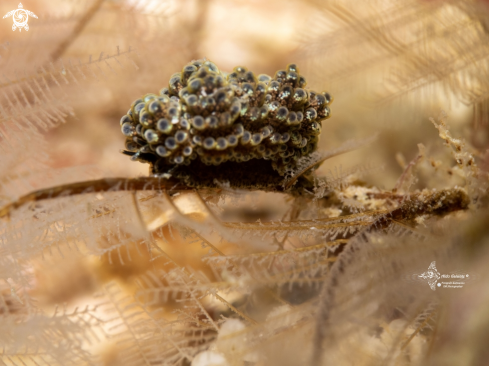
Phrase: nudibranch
(208,127)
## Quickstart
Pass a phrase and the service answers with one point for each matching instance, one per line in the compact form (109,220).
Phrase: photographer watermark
(20,17)
(436,280)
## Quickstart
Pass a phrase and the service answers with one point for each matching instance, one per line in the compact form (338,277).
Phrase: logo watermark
(435,279)
(20,17)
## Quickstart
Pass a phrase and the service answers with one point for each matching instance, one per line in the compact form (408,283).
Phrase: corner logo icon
(431,275)
(20,17)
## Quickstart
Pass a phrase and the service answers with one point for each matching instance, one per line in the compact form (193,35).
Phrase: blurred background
(391,65)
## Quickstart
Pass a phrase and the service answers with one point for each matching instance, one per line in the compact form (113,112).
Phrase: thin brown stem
(240,313)
(94,186)
(85,19)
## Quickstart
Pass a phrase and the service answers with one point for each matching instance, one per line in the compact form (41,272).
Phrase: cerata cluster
(207,117)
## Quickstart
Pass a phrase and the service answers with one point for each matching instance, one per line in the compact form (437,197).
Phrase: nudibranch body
(207,125)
